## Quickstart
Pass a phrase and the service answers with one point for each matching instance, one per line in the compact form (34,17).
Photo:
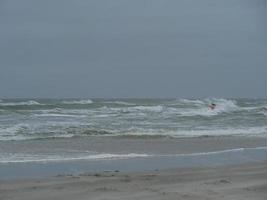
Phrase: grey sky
(137,48)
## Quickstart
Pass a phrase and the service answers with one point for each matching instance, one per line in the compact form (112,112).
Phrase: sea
(62,130)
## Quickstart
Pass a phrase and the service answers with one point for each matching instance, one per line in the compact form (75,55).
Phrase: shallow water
(38,130)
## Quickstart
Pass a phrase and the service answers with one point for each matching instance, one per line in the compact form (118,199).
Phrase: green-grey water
(31,128)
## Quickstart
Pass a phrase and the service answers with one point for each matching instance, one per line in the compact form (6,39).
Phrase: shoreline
(22,170)
(196,168)
(246,181)
(162,145)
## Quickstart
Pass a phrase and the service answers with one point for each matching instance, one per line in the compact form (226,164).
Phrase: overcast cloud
(137,48)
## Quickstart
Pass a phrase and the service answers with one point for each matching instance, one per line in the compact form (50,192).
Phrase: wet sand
(177,153)
(246,181)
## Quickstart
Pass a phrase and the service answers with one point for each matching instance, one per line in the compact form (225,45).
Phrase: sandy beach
(247,181)
(133,100)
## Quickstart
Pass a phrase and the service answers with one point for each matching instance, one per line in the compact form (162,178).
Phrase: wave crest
(25,103)
(252,131)
(222,106)
(88,101)
(28,158)
(120,103)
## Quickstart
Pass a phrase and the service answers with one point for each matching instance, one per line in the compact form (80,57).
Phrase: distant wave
(191,101)
(202,109)
(134,109)
(224,105)
(88,101)
(12,130)
(158,108)
(58,115)
(146,118)
(197,107)
(26,103)
(120,103)
(264,113)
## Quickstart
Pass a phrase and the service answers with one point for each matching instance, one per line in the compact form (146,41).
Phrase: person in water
(212,106)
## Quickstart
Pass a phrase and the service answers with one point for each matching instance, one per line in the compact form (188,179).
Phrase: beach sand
(246,181)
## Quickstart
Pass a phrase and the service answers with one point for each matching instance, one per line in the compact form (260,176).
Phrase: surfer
(212,106)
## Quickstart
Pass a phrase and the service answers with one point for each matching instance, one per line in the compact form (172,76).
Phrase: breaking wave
(141,118)
(43,158)
(197,107)
(252,131)
(26,103)
(58,115)
(27,158)
(88,101)
(25,132)
(120,103)
(158,108)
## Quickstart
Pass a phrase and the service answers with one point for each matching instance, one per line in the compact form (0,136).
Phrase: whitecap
(58,115)
(12,130)
(192,101)
(222,106)
(88,101)
(120,103)
(133,109)
(252,131)
(146,108)
(26,103)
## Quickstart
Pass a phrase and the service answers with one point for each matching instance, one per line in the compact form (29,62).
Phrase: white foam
(105,115)
(78,112)
(217,152)
(252,131)
(201,107)
(58,115)
(40,130)
(147,108)
(33,137)
(134,109)
(26,158)
(12,130)
(121,103)
(191,101)
(143,109)
(222,106)
(197,112)
(29,158)
(263,110)
(88,101)
(26,103)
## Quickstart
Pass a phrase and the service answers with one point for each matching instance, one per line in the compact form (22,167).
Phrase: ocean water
(51,130)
